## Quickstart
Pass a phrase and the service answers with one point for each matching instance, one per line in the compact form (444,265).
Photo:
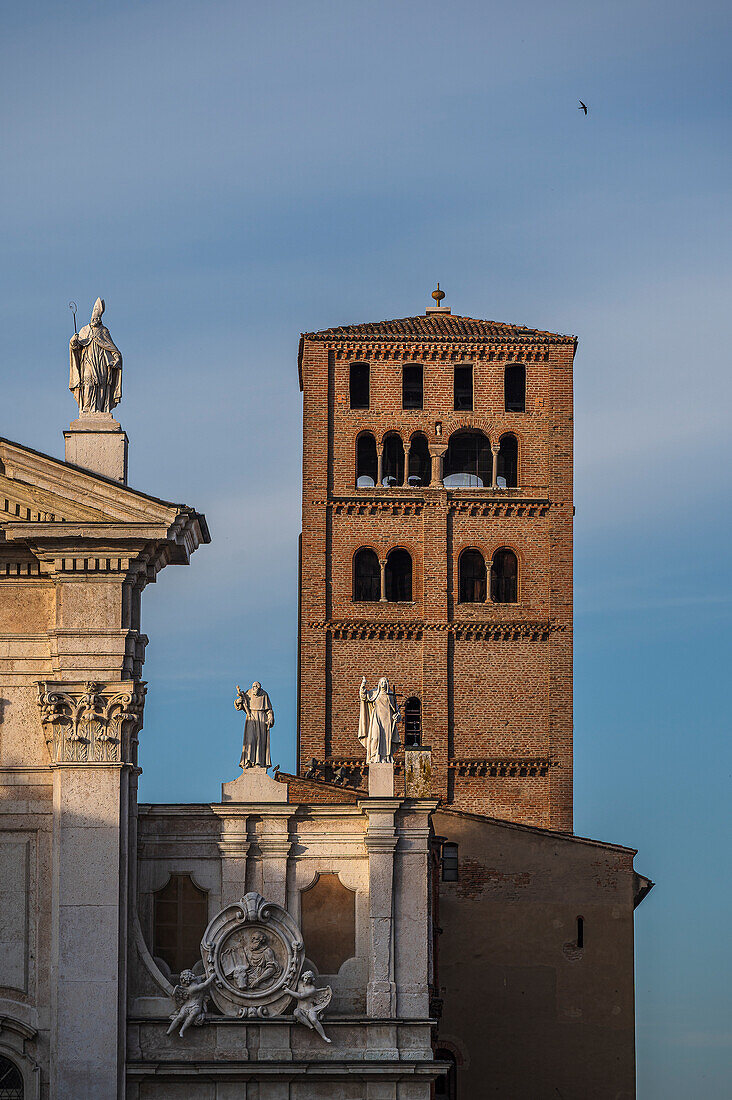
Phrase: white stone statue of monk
(377,722)
(95,377)
(259,721)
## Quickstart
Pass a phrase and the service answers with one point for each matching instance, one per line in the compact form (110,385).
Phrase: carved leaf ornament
(93,723)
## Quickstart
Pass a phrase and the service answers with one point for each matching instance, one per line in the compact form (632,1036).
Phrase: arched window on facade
(420,462)
(412,386)
(366,576)
(472,576)
(446,1086)
(11,1080)
(180,916)
(367,463)
(399,576)
(412,722)
(504,577)
(514,387)
(508,461)
(468,462)
(392,463)
(359,385)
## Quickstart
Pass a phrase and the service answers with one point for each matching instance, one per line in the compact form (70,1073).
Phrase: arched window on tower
(11,1080)
(180,916)
(412,722)
(392,465)
(504,577)
(367,463)
(468,462)
(366,576)
(420,462)
(359,385)
(472,576)
(398,576)
(514,387)
(508,462)
(412,386)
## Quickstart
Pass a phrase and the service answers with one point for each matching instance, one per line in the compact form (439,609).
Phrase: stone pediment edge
(85,495)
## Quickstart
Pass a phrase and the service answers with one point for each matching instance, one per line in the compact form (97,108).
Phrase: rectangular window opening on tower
(412,386)
(359,385)
(464,388)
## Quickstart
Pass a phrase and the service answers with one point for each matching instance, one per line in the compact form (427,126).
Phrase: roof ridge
(435,326)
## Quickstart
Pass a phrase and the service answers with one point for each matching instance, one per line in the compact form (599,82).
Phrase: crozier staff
(95,374)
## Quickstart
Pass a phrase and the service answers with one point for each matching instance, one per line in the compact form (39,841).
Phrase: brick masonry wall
(494,680)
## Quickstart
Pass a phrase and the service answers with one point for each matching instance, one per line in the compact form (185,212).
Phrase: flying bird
(582,107)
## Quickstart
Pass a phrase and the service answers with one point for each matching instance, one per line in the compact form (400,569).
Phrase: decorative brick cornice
(369,630)
(394,502)
(502,766)
(473,629)
(498,509)
(92,722)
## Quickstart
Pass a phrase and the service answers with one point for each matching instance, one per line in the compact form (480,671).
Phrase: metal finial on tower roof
(438,295)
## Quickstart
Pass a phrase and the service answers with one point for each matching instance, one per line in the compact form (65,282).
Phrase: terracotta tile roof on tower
(434,326)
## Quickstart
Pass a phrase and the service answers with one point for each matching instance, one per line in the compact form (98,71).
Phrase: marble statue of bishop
(95,366)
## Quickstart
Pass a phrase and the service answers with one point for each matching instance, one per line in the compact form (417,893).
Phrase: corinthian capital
(92,722)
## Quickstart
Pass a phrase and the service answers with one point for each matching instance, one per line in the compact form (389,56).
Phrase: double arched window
(367,576)
(473,577)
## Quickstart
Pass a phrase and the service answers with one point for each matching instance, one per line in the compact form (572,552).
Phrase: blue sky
(227,175)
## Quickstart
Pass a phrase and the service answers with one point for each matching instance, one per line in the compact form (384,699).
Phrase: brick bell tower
(437,550)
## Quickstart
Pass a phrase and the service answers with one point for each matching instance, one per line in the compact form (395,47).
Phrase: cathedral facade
(408,917)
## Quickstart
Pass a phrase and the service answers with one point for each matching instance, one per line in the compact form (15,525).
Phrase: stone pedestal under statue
(98,443)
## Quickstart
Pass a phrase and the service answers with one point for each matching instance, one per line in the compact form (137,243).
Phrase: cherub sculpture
(191,1002)
(311,1001)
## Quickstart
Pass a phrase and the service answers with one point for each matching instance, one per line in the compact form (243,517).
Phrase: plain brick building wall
(494,680)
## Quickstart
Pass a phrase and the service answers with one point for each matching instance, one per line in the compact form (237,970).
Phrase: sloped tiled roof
(433,326)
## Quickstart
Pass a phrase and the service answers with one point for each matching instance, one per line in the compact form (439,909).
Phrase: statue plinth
(98,443)
(254,785)
(381,780)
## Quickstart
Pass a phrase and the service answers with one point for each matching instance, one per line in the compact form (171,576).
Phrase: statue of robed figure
(95,377)
(377,722)
(259,721)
